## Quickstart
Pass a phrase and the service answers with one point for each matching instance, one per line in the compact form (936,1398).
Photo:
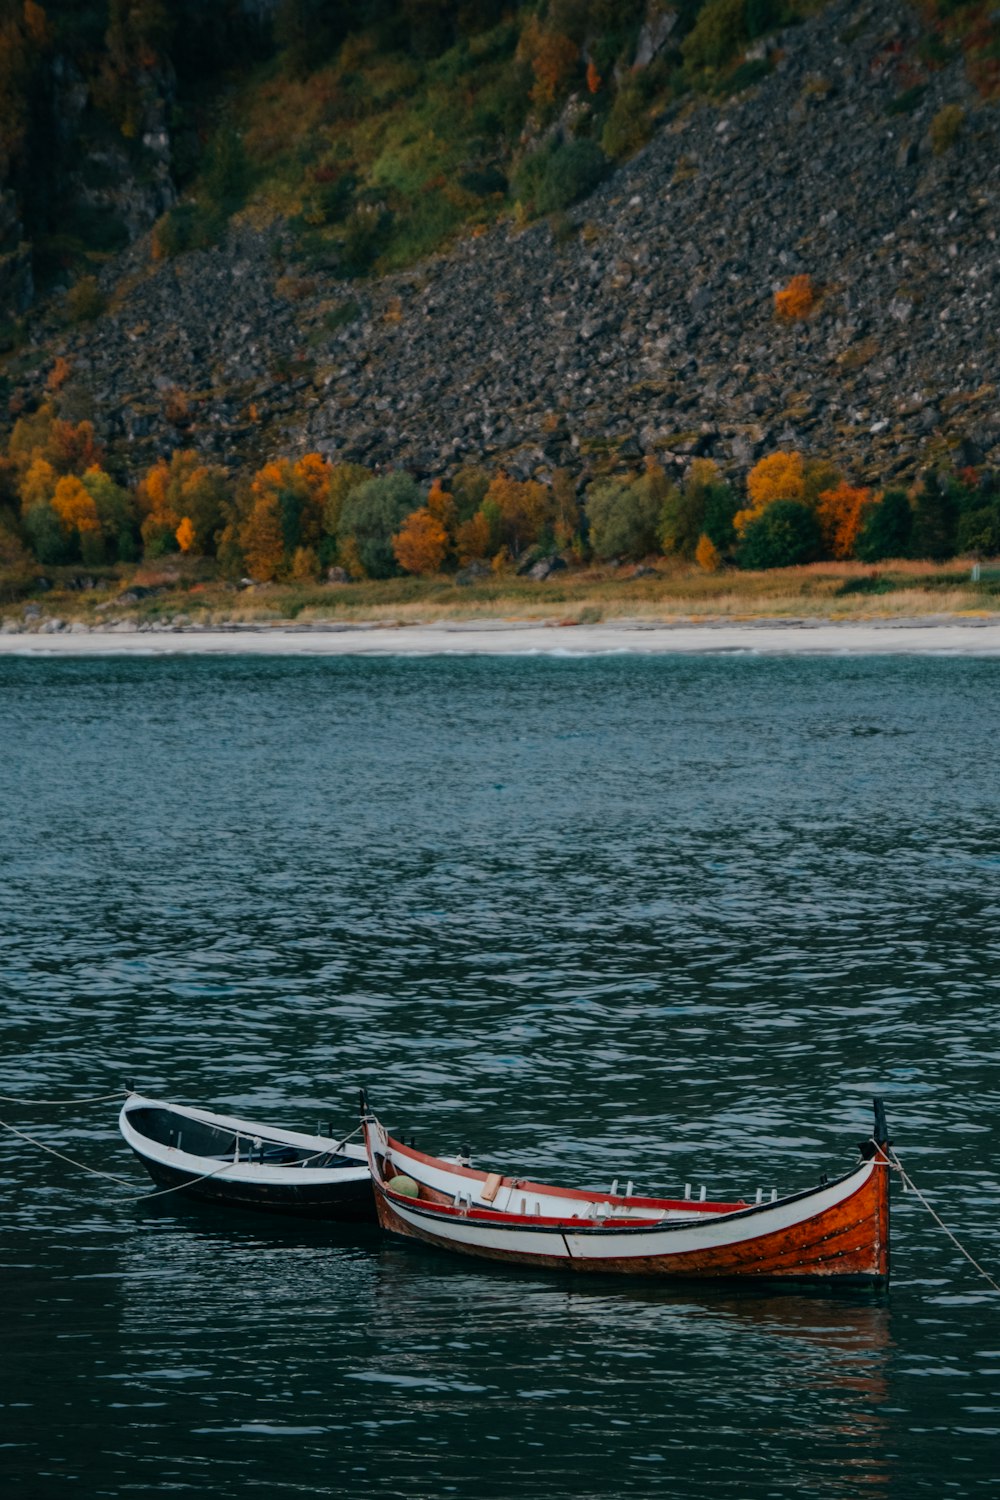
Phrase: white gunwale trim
(245,1172)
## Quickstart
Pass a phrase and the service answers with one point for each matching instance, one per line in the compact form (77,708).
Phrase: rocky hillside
(641,323)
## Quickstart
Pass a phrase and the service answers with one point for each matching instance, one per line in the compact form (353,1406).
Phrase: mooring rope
(55,1103)
(158,1192)
(62,1156)
(894,1162)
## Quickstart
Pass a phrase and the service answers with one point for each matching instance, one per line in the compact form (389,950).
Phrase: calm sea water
(667,919)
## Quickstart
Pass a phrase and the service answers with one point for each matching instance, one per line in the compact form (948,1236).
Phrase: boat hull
(251,1167)
(836,1234)
(350,1202)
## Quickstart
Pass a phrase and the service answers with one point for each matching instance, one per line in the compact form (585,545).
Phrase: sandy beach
(947,636)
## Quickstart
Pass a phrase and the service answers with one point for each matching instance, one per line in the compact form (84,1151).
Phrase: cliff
(641,322)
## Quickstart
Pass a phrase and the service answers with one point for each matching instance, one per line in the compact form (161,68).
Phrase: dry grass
(828,591)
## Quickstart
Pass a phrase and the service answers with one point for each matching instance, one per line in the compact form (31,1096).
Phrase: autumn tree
(421,544)
(706,555)
(779,476)
(523,510)
(552,57)
(185,534)
(116,512)
(478,537)
(262,538)
(796,300)
(184,486)
(37,484)
(840,511)
(71,448)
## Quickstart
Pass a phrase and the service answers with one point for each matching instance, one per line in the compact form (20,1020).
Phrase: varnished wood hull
(837,1233)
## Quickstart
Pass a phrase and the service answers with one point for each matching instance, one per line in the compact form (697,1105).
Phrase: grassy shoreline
(669,592)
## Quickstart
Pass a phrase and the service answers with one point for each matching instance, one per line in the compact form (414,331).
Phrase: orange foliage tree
(474,538)
(441,504)
(69,448)
(796,300)
(263,540)
(552,57)
(421,544)
(185,534)
(840,512)
(523,509)
(706,555)
(594,79)
(300,492)
(184,487)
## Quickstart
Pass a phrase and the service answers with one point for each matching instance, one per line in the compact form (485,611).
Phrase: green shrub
(628,125)
(946,127)
(786,534)
(979,531)
(46,537)
(886,528)
(624,517)
(227,172)
(556,176)
(935,521)
(717,35)
(370,517)
(342,315)
(188,226)
(85,301)
(762,16)
(745,76)
(907,101)
(365,234)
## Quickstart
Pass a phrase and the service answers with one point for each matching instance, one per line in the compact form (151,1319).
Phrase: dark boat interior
(166,1128)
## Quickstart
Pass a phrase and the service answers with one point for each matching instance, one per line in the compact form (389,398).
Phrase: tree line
(296,518)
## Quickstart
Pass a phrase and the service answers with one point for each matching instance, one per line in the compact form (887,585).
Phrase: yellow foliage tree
(779,476)
(37,484)
(421,544)
(75,506)
(185,534)
(305,565)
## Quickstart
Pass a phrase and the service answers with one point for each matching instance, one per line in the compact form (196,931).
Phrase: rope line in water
(94,1099)
(158,1192)
(62,1156)
(897,1165)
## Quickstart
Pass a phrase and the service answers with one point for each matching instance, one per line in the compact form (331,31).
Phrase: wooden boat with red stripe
(836,1233)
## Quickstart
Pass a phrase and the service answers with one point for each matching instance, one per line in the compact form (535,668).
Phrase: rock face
(652,330)
(16,281)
